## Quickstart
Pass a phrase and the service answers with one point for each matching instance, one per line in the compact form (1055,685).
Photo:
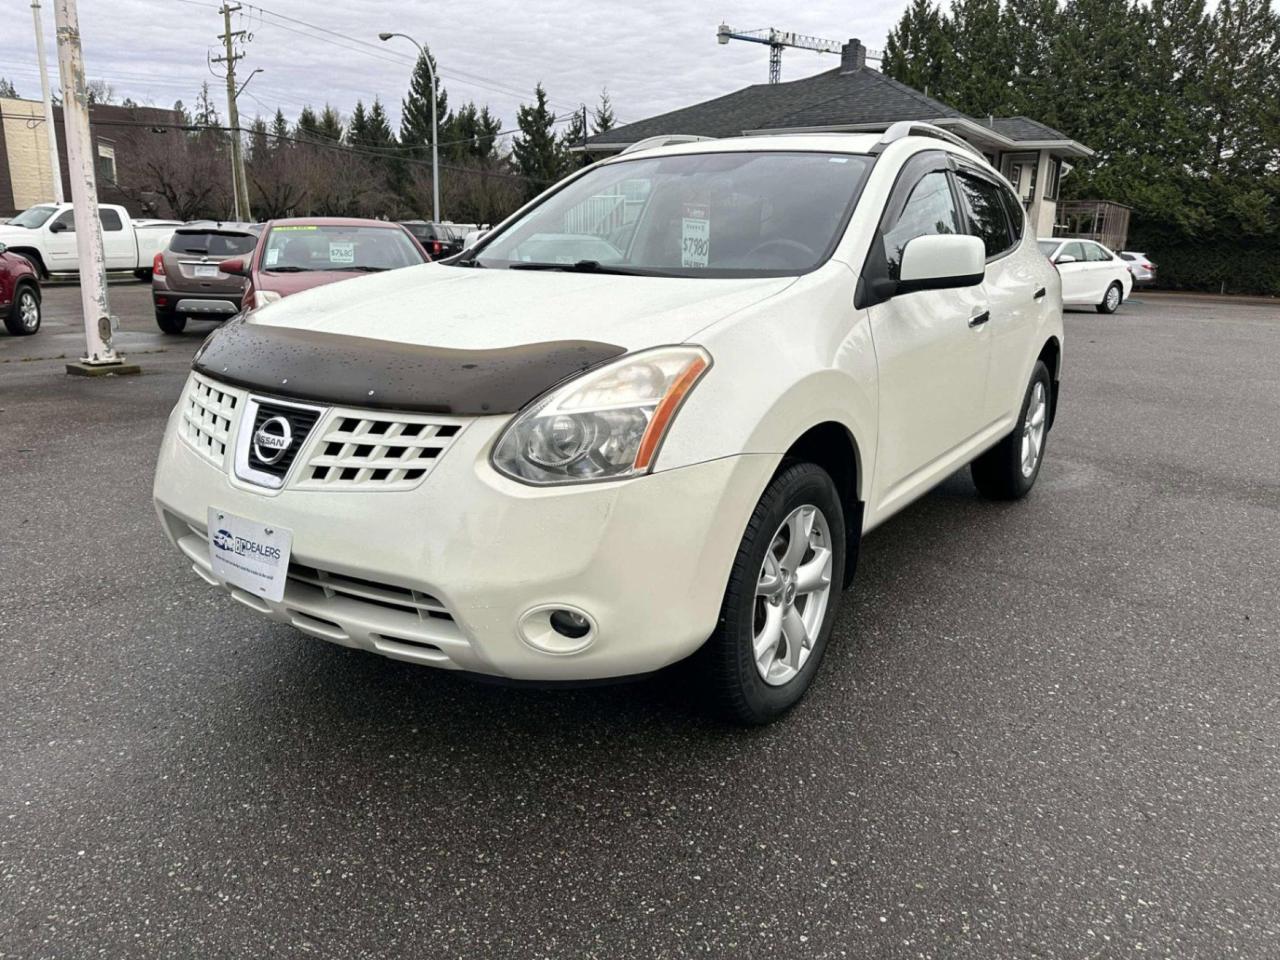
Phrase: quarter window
(987,217)
(930,210)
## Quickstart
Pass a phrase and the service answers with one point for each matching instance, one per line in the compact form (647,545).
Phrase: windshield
(33,217)
(209,243)
(1048,246)
(301,248)
(695,215)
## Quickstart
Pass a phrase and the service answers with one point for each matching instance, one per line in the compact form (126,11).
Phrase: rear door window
(1095,253)
(1075,250)
(110,221)
(988,219)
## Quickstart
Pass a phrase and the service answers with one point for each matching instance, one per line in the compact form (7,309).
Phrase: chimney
(853,56)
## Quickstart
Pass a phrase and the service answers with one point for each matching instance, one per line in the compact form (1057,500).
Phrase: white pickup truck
(46,235)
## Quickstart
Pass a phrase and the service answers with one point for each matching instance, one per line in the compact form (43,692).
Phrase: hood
(15,236)
(287,284)
(465,308)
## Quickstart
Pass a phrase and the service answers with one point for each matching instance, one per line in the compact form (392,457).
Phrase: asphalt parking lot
(1047,729)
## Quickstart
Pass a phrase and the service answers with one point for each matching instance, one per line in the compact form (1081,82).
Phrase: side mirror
(939,262)
(57,227)
(236,267)
(471,239)
(1065,258)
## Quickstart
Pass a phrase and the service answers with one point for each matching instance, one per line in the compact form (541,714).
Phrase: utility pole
(55,165)
(100,357)
(239,181)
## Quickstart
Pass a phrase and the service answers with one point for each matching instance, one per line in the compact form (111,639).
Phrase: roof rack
(663,140)
(914,128)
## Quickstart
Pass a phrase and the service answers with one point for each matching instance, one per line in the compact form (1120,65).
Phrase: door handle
(980,319)
(1039,294)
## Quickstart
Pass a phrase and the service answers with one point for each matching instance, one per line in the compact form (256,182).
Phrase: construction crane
(775,40)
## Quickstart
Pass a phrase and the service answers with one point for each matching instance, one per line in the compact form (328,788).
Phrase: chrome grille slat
(360,449)
(208,411)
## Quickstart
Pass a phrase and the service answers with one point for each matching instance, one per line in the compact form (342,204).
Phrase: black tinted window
(987,217)
(1017,213)
(929,210)
(110,220)
(208,243)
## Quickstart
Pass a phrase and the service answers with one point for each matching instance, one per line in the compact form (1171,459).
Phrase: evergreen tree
(1242,87)
(415,109)
(574,135)
(184,118)
(308,126)
(206,114)
(1029,27)
(978,62)
(379,128)
(280,129)
(538,154)
(358,128)
(259,141)
(916,51)
(602,118)
(329,128)
(7,89)
(472,134)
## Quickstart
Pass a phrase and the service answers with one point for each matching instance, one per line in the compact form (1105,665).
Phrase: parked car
(569,467)
(46,235)
(439,239)
(299,254)
(19,294)
(1143,270)
(1091,274)
(186,282)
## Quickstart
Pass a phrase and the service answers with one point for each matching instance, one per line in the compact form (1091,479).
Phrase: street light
(435,130)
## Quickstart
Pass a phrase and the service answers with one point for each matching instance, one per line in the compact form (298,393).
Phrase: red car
(19,294)
(298,254)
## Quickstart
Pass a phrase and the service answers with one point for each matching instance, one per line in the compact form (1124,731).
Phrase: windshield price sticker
(342,252)
(695,236)
(273,255)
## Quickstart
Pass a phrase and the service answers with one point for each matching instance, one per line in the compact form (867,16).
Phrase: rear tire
(24,316)
(170,322)
(1112,299)
(777,613)
(1008,470)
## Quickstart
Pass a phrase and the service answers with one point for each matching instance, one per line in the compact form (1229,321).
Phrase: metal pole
(239,182)
(55,165)
(84,189)
(435,127)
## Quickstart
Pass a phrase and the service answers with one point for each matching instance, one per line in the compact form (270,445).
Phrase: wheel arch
(832,446)
(33,255)
(1051,355)
(29,283)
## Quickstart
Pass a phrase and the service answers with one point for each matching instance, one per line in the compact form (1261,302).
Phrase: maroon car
(19,294)
(298,254)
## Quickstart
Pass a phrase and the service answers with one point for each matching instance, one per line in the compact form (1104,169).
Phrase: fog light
(569,624)
(557,629)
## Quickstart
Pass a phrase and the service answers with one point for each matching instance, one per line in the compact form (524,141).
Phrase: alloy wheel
(792,593)
(1033,428)
(28,310)
(1113,298)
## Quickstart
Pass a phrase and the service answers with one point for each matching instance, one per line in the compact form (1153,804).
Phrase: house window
(1055,174)
(106,162)
(1020,170)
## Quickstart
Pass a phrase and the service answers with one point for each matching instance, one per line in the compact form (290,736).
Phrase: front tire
(1112,299)
(170,322)
(1008,470)
(24,316)
(781,600)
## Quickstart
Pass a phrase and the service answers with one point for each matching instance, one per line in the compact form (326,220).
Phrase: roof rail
(662,140)
(914,128)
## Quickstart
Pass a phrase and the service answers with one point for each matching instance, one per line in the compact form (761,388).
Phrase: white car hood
(478,309)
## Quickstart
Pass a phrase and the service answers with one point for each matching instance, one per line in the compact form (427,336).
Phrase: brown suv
(186,283)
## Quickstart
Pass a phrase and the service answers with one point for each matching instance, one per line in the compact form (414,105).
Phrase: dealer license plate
(249,554)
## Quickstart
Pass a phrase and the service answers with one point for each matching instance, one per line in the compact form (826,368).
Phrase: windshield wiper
(580,266)
(361,269)
(288,270)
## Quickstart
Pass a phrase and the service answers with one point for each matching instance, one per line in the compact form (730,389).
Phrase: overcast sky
(653,56)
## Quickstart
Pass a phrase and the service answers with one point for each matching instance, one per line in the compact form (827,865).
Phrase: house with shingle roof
(854,97)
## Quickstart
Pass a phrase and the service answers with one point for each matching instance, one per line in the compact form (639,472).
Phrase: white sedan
(1091,274)
(650,415)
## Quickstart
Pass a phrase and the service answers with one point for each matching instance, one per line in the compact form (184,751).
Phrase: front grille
(300,421)
(207,413)
(390,597)
(373,451)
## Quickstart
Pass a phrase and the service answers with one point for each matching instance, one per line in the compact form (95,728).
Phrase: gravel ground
(1046,729)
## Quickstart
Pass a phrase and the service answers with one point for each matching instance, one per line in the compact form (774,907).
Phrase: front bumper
(443,574)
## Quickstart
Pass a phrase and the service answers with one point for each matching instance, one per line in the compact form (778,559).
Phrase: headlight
(605,425)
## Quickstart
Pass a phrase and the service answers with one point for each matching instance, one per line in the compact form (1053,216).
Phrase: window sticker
(695,235)
(342,252)
(273,255)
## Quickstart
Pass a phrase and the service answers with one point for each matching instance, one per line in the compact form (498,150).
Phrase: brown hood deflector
(363,372)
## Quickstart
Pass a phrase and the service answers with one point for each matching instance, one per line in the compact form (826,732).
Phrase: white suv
(651,414)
